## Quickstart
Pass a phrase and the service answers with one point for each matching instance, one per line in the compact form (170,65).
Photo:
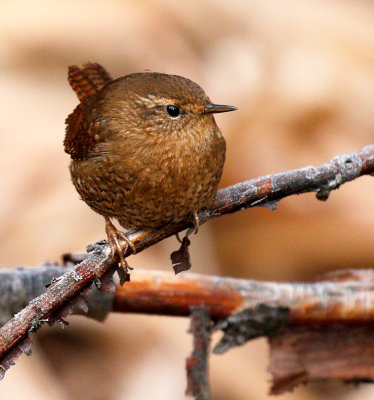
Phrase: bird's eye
(173,111)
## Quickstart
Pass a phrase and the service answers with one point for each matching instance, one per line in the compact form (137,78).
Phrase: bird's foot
(115,241)
(195,228)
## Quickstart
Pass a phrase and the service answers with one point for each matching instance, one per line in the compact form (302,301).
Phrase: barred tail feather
(88,80)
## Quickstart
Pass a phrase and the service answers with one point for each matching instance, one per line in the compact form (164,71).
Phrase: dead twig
(197,363)
(262,191)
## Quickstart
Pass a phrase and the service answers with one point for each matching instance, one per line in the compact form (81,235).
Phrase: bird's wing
(88,80)
(83,130)
(75,141)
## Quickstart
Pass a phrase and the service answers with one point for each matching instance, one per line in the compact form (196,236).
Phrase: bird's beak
(218,108)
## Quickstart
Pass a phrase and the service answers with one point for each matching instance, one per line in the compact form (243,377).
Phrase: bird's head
(158,104)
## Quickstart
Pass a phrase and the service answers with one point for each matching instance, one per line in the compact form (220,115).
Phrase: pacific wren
(145,148)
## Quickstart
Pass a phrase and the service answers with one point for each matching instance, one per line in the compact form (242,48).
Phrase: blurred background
(301,73)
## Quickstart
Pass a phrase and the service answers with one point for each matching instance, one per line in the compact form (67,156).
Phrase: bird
(145,149)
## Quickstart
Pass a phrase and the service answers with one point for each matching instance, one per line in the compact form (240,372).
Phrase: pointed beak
(218,108)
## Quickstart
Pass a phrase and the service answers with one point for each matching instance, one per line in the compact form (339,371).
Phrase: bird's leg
(196,222)
(115,246)
(190,231)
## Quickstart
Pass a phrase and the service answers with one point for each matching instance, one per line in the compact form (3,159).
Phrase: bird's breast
(145,185)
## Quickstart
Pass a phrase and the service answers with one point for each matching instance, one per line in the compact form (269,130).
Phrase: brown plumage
(145,148)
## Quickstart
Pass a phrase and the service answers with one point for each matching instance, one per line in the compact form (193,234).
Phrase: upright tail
(88,80)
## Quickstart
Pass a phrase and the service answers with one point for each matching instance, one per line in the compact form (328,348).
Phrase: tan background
(301,73)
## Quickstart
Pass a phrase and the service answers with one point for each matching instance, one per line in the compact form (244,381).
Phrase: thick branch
(325,302)
(260,191)
(346,296)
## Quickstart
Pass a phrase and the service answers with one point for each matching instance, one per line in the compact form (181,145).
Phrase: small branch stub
(250,323)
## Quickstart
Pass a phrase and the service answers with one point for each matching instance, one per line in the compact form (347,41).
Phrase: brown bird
(145,148)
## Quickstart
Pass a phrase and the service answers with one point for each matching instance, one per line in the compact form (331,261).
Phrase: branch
(156,292)
(262,191)
(300,354)
(197,362)
(344,297)
(310,346)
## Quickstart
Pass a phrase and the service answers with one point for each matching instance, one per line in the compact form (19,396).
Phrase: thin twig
(261,191)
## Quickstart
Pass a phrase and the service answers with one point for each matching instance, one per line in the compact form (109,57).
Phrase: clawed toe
(127,240)
(116,247)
